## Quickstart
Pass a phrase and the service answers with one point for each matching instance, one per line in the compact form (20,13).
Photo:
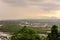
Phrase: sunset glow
(58,14)
(22,9)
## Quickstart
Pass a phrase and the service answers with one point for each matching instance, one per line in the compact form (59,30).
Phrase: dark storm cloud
(43,4)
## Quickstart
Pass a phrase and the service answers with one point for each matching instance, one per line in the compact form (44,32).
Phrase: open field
(16,28)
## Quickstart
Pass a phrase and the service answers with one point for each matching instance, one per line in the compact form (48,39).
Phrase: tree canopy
(25,34)
(54,33)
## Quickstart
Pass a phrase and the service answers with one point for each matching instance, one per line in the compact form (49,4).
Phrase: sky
(26,9)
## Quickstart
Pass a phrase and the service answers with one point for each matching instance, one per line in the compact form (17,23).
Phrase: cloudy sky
(25,9)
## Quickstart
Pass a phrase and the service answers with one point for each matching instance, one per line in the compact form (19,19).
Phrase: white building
(4,36)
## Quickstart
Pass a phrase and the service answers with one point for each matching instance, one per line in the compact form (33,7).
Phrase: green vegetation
(15,27)
(25,34)
(30,33)
(54,33)
(10,28)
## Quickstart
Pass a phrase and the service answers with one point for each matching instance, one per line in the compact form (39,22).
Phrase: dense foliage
(25,34)
(54,33)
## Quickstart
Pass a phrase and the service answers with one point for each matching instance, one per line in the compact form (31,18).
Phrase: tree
(54,33)
(25,34)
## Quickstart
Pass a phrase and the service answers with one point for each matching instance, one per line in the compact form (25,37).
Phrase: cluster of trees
(29,34)
(25,34)
(54,35)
